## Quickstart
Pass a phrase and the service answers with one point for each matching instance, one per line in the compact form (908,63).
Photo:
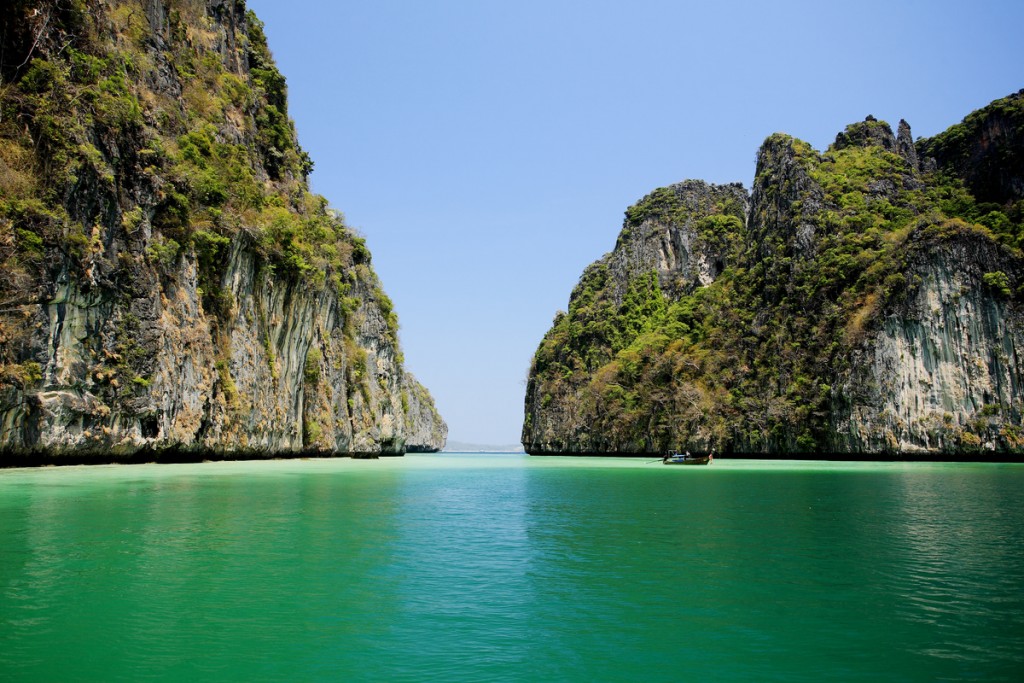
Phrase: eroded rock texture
(865,301)
(169,284)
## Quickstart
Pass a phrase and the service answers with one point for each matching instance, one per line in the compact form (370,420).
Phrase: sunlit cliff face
(171,282)
(857,301)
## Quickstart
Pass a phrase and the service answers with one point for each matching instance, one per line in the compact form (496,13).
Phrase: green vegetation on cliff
(154,205)
(90,129)
(986,150)
(752,361)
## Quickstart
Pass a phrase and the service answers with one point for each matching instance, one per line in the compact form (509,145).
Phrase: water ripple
(512,569)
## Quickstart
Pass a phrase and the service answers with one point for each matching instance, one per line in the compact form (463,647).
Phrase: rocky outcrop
(863,303)
(985,150)
(943,372)
(778,224)
(171,286)
(685,233)
(905,146)
(425,431)
(673,242)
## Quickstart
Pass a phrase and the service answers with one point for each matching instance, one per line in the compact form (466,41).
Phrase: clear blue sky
(487,150)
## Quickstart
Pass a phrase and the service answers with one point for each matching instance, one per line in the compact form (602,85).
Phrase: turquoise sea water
(488,567)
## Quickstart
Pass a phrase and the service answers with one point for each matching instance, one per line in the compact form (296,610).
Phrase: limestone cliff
(170,285)
(986,150)
(941,373)
(426,431)
(863,301)
(674,241)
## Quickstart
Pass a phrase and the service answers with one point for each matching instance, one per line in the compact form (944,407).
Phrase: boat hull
(699,460)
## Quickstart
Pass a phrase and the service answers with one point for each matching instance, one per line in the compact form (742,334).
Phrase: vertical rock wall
(943,373)
(869,305)
(171,285)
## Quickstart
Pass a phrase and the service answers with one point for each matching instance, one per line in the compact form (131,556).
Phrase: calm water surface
(477,568)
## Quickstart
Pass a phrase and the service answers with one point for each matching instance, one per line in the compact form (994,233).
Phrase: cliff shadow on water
(865,302)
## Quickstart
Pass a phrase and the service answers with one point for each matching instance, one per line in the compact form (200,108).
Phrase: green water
(477,568)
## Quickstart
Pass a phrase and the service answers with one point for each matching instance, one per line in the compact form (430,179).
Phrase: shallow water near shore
(502,567)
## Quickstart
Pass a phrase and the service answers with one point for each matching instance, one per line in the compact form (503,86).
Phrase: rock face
(680,232)
(860,302)
(170,284)
(426,431)
(986,150)
(674,241)
(942,373)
